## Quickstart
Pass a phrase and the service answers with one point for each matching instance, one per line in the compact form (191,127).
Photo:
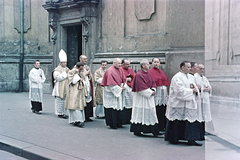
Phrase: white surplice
(204,102)
(161,96)
(182,103)
(144,110)
(36,80)
(112,97)
(127,97)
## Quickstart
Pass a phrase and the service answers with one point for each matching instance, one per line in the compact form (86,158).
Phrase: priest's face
(37,64)
(194,69)
(201,69)
(80,68)
(146,66)
(156,63)
(186,68)
(63,64)
(104,65)
(117,63)
(126,64)
(84,59)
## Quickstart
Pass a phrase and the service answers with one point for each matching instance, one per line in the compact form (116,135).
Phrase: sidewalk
(46,136)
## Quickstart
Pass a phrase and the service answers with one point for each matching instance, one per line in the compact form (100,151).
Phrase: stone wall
(174,29)
(36,43)
(222,48)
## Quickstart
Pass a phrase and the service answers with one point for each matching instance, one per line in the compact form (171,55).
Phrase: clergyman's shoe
(81,124)
(33,111)
(37,112)
(119,126)
(76,123)
(113,127)
(138,134)
(64,116)
(88,120)
(194,143)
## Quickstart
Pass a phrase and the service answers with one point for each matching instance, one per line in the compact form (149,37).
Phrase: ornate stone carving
(52,1)
(85,35)
(84,20)
(53,25)
(144,9)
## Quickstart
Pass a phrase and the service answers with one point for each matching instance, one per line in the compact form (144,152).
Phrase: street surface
(46,136)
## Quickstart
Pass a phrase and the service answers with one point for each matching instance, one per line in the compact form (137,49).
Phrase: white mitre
(62,56)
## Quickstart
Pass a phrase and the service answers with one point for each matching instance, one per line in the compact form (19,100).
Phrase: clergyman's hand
(153,93)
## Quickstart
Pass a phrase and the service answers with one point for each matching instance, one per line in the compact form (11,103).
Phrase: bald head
(117,62)
(83,59)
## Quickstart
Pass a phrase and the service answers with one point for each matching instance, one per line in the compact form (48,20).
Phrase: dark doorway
(74,44)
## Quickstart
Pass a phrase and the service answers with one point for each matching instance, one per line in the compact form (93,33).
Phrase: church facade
(199,31)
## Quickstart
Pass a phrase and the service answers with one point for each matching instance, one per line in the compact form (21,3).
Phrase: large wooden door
(74,44)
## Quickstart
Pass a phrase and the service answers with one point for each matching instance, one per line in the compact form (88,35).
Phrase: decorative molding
(85,35)
(144,9)
(84,21)
(53,26)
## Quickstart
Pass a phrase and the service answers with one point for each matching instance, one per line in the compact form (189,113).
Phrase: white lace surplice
(182,103)
(144,111)
(127,97)
(112,97)
(204,102)
(161,96)
(36,80)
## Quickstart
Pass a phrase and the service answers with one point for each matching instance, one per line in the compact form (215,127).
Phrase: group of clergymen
(125,97)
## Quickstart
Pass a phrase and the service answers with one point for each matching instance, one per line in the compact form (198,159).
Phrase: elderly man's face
(201,69)
(186,68)
(126,64)
(84,59)
(146,66)
(117,64)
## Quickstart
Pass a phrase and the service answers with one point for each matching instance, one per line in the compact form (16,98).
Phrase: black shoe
(64,116)
(60,116)
(138,134)
(37,112)
(33,111)
(119,126)
(88,120)
(113,127)
(155,135)
(173,142)
(76,123)
(81,124)
(194,143)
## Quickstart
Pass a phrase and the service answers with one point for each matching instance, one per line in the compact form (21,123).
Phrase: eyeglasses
(202,68)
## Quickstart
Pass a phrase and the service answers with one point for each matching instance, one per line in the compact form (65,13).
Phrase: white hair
(143,62)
